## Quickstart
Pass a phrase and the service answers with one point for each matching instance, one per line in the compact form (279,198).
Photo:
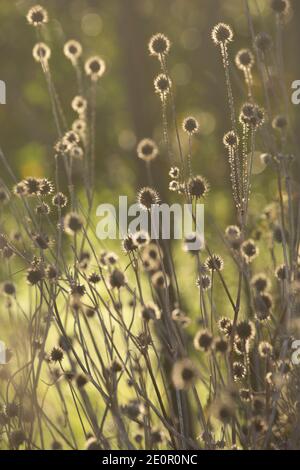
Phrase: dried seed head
(41,52)
(222,34)
(117,279)
(263,42)
(249,250)
(79,104)
(162,85)
(190,125)
(197,186)
(159,45)
(279,122)
(150,311)
(141,238)
(35,275)
(51,272)
(72,223)
(239,371)
(9,288)
(281,7)
(204,282)
(59,200)
(245,330)
(203,340)
(265,349)
(73,50)
(233,232)
(95,68)
(37,16)
(147,150)
(129,245)
(174,186)
(184,374)
(266,158)
(244,59)
(56,354)
(17,438)
(174,172)
(81,380)
(160,280)
(231,140)
(281,272)
(46,187)
(94,278)
(214,263)
(147,197)
(79,126)
(225,326)
(260,282)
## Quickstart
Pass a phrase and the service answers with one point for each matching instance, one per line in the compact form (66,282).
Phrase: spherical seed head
(245,395)
(46,187)
(233,232)
(59,200)
(280,7)
(174,186)
(71,138)
(245,330)
(265,349)
(117,279)
(159,45)
(222,34)
(279,122)
(281,272)
(79,126)
(184,374)
(73,50)
(231,140)
(41,52)
(174,172)
(162,85)
(260,282)
(9,288)
(34,275)
(214,263)
(225,326)
(72,223)
(56,354)
(95,67)
(79,104)
(249,250)
(147,197)
(160,280)
(37,16)
(190,125)
(263,42)
(141,238)
(198,186)
(244,59)
(51,272)
(266,158)
(150,311)
(81,380)
(203,340)
(221,345)
(239,371)
(129,245)
(94,278)
(147,150)
(204,282)
(32,186)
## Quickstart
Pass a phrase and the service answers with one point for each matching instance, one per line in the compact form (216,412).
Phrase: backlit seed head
(35,275)
(281,272)
(263,42)
(147,197)
(8,288)
(56,355)
(280,7)
(239,371)
(147,150)
(214,263)
(184,374)
(198,186)
(174,172)
(266,158)
(32,186)
(95,67)
(162,85)
(129,245)
(117,279)
(41,52)
(245,395)
(265,349)
(204,282)
(59,200)
(71,138)
(150,311)
(94,278)
(260,282)
(51,272)
(73,50)
(222,34)
(141,238)
(279,122)
(244,59)
(245,330)
(203,340)
(79,104)
(231,140)
(249,250)
(190,125)
(72,223)
(225,326)
(37,16)
(159,45)
(76,152)
(174,186)
(46,187)
(160,280)
(233,232)
(79,126)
